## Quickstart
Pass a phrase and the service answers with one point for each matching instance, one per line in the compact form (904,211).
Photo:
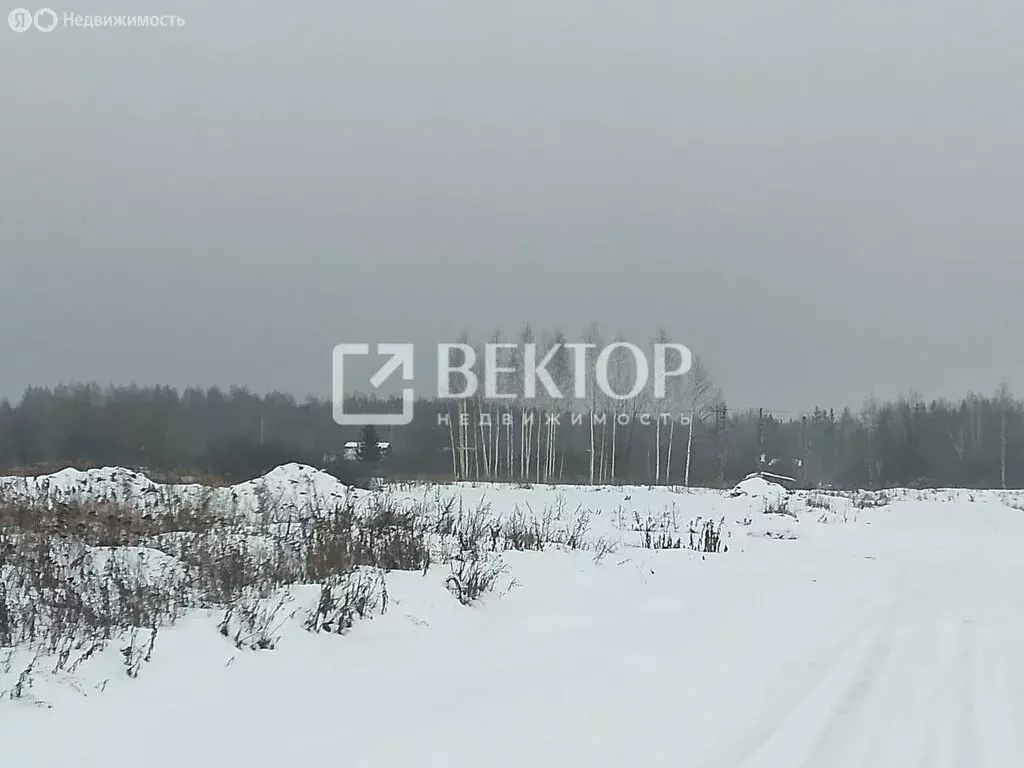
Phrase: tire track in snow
(967,745)
(888,724)
(845,711)
(796,682)
(937,695)
(912,721)
(1012,671)
(843,732)
(993,706)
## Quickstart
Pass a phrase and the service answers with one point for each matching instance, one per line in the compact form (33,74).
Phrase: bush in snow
(871,500)
(472,575)
(16,680)
(518,532)
(59,596)
(458,529)
(778,507)
(74,580)
(706,535)
(139,649)
(660,532)
(533,532)
(346,597)
(818,501)
(469,529)
(392,539)
(253,621)
(603,547)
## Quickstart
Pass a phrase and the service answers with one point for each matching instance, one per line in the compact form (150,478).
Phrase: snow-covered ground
(836,631)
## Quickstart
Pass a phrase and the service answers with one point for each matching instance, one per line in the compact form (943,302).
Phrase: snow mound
(107,485)
(771,494)
(288,490)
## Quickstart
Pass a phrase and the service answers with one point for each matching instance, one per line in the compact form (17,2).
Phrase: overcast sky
(822,199)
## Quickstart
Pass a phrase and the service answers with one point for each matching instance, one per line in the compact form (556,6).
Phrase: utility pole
(760,439)
(803,449)
(871,452)
(1002,467)
(721,415)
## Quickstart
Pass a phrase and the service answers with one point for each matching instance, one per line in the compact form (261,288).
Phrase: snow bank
(772,494)
(289,489)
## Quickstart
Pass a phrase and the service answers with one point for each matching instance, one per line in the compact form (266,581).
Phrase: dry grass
(75,578)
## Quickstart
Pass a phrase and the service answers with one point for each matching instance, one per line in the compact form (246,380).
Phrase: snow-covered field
(881,630)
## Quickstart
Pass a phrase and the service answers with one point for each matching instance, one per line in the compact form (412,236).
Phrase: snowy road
(929,676)
(899,643)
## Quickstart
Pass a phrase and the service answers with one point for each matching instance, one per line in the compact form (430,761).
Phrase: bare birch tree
(701,396)
(592,336)
(526,336)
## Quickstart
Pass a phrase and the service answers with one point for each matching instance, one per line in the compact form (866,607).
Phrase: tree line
(235,434)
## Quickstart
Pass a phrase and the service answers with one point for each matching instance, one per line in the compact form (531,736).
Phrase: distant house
(351,450)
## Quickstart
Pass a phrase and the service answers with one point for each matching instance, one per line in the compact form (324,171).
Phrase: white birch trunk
(540,429)
(592,447)
(604,443)
(657,453)
(615,452)
(689,451)
(455,457)
(484,442)
(668,457)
